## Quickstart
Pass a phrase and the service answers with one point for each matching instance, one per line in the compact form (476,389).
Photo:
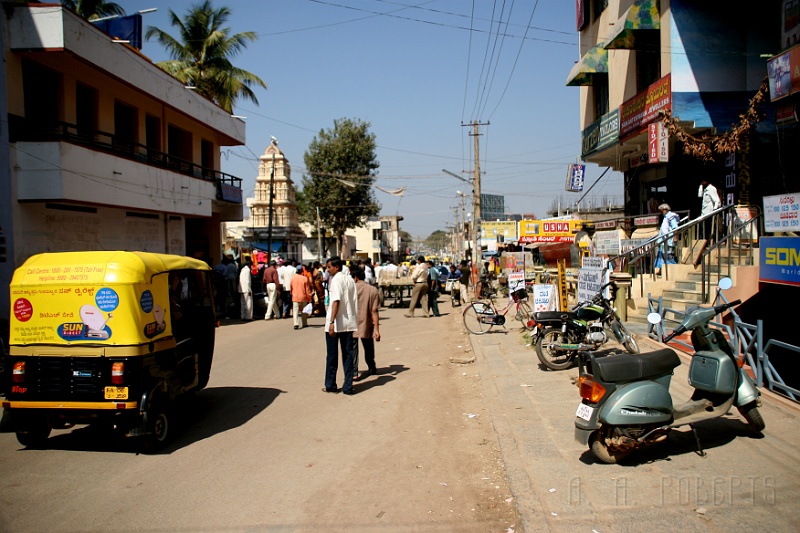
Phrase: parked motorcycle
(626,401)
(559,336)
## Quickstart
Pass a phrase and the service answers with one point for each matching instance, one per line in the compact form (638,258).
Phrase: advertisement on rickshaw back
(67,305)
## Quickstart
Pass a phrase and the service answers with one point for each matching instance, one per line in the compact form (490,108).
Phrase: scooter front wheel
(603,452)
(751,413)
(550,356)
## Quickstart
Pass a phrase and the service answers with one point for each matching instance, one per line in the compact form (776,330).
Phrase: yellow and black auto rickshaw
(106,337)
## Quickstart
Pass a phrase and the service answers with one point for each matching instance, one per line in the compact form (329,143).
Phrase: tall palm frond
(202,51)
(93,9)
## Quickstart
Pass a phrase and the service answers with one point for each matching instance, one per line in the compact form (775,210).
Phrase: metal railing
(747,341)
(727,233)
(21,129)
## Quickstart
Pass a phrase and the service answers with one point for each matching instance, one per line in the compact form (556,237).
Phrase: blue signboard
(779,260)
(575,174)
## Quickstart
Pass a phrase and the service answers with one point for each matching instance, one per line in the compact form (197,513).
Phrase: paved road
(263,449)
(744,483)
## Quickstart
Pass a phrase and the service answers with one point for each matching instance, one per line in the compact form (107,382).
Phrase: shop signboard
(575,177)
(779,260)
(645,107)
(607,243)
(781,212)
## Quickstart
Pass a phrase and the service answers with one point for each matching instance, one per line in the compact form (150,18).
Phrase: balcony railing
(229,188)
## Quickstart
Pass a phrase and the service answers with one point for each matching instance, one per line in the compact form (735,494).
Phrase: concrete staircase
(684,287)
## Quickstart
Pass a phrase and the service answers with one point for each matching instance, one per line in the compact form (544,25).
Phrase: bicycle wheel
(479,317)
(524,315)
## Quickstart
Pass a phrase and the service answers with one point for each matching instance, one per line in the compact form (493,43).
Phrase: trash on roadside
(462,360)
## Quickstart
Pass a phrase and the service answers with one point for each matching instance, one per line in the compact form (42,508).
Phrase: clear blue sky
(416,70)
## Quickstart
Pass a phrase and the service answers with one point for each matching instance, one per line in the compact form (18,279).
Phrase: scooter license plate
(585,412)
(116,393)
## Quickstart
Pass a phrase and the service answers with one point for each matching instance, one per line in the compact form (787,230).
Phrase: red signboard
(645,107)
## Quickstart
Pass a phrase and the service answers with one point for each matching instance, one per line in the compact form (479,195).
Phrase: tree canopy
(93,9)
(340,169)
(201,55)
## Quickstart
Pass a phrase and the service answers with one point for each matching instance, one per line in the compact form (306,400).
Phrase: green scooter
(626,403)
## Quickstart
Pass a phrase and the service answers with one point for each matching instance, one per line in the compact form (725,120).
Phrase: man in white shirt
(340,324)
(285,273)
(710,203)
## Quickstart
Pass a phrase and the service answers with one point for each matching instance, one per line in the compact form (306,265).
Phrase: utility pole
(319,238)
(476,196)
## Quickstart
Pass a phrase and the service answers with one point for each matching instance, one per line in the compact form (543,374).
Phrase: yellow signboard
(492,230)
(548,230)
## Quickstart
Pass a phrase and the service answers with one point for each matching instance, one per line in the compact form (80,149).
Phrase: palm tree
(201,56)
(93,9)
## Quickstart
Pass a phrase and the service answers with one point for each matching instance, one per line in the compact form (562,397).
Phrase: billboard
(548,230)
(493,207)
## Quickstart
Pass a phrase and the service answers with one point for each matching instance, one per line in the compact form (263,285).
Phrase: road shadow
(711,433)
(385,375)
(194,418)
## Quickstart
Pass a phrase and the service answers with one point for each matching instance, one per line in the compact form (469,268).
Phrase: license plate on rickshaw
(116,393)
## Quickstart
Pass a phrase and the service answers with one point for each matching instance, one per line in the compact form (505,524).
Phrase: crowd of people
(346,294)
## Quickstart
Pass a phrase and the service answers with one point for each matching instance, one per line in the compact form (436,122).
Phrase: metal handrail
(732,235)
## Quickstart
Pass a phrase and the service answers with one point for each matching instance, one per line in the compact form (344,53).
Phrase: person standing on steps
(666,247)
(710,203)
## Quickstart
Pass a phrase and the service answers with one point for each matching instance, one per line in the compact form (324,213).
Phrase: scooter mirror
(725,283)
(654,318)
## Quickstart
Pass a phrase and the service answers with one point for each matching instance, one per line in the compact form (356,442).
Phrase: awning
(595,61)
(642,15)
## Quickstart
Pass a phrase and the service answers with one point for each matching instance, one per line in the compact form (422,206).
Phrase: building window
(126,130)
(600,90)
(648,59)
(86,111)
(152,133)
(179,143)
(41,88)
(598,6)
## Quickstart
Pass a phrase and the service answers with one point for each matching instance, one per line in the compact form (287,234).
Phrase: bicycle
(481,315)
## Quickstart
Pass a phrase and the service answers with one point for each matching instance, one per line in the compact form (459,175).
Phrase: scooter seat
(627,367)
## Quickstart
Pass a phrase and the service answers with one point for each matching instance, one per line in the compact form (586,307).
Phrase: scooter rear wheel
(602,452)
(751,413)
(548,355)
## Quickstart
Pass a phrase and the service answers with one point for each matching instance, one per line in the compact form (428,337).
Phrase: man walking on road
(273,287)
(301,295)
(246,292)
(368,299)
(340,324)
(419,294)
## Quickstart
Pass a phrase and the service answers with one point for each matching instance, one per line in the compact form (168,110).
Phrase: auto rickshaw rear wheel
(157,424)
(35,434)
